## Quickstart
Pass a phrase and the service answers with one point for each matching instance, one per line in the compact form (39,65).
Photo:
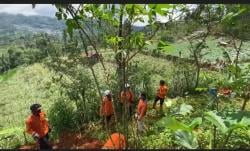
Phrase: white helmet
(127,85)
(107,92)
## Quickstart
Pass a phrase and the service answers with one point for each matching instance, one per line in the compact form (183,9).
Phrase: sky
(26,9)
(48,10)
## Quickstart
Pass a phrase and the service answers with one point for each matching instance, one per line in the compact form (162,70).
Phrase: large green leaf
(196,122)
(216,120)
(186,139)
(185,109)
(245,122)
(165,46)
(173,124)
(160,8)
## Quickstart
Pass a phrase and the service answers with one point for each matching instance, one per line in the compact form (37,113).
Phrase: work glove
(136,116)
(35,136)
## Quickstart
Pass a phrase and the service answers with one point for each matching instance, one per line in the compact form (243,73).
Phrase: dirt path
(71,141)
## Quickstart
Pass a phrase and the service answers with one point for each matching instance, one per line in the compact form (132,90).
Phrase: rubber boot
(161,111)
(154,106)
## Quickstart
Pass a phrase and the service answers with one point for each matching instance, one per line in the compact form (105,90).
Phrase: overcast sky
(47,10)
(26,9)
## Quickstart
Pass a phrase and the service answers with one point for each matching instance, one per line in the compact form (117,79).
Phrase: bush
(140,78)
(61,116)
(183,80)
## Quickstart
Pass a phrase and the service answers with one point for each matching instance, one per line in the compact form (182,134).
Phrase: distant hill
(20,23)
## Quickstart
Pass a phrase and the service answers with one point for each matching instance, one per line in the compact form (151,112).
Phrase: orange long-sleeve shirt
(37,124)
(107,107)
(162,91)
(127,96)
(117,142)
(142,108)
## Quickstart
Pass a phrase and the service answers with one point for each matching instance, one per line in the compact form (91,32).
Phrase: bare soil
(71,141)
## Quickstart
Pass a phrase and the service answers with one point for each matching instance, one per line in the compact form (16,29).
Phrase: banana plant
(226,130)
(183,132)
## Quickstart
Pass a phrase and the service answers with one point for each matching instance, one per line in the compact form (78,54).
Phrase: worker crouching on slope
(37,125)
(107,109)
(115,141)
(161,94)
(141,112)
(127,97)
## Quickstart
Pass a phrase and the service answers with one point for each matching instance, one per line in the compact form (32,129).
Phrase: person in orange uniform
(115,141)
(141,112)
(128,97)
(37,125)
(161,94)
(107,109)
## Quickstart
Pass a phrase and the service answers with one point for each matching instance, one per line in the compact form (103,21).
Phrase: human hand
(35,136)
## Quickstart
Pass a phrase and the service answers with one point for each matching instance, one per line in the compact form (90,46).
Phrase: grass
(7,75)
(19,89)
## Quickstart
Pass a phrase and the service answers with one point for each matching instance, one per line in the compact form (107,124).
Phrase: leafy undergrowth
(187,125)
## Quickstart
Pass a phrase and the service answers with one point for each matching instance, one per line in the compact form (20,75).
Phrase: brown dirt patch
(69,140)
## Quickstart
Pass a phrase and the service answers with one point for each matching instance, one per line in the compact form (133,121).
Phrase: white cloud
(26,9)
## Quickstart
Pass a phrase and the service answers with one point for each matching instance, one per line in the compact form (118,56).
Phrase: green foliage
(40,46)
(182,80)
(185,109)
(186,139)
(61,116)
(235,21)
(216,120)
(8,75)
(173,124)
(11,137)
(140,78)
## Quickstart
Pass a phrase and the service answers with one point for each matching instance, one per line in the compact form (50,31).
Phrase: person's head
(107,93)
(127,86)
(35,109)
(143,95)
(162,82)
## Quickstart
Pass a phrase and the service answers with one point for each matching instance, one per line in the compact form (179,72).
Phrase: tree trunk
(119,61)
(244,103)
(237,57)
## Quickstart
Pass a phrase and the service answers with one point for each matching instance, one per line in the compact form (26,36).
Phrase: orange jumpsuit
(37,124)
(116,141)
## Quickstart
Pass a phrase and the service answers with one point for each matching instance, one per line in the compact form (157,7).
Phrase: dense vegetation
(186,51)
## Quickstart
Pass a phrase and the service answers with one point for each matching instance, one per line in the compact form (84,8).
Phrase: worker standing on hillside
(161,94)
(128,97)
(141,112)
(115,141)
(107,109)
(37,125)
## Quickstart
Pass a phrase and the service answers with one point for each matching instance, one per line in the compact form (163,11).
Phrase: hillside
(193,68)
(14,23)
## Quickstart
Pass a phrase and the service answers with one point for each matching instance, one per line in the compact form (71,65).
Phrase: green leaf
(196,122)
(59,15)
(186,139)
(152,6)
(70,26)
(185,109)
(201,89)
(216,120)
(65,16)
(173,124)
